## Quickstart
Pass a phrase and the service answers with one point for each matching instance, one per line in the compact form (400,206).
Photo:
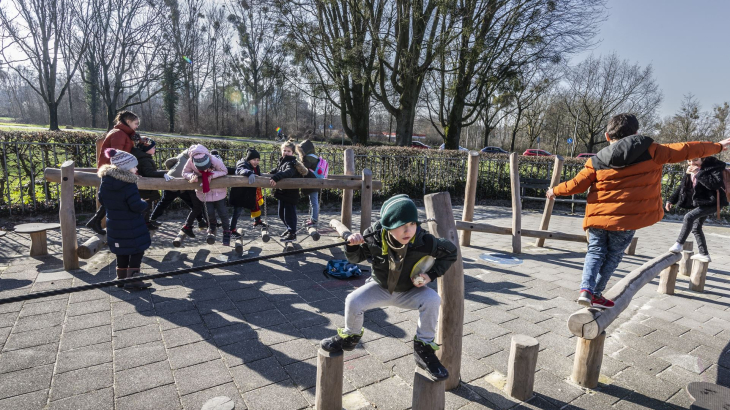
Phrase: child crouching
(204,167)
(397,250)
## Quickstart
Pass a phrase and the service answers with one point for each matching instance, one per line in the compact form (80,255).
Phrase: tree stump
(521,368)
(330,369)
(667,280)
(588,359)
(427,394)
(697,278)
(685,265)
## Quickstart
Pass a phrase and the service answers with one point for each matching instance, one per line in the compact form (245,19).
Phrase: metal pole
(575,135)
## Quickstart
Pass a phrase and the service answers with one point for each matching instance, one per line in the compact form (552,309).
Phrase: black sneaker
(259,224)
(292,236)
(285,233)
(188,230)
(202,224)
(426,359)
(235,235)
(155,223)
(151,226)
(341,342)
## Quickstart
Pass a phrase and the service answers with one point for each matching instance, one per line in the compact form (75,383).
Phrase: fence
(23,190)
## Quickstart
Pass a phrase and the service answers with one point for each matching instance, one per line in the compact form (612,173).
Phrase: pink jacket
(218,169)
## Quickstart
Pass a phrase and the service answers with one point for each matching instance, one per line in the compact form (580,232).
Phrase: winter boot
(121,274)
(426,359)
(132,272)
(95,224)
(188,230)
(211,236)
(341,342)
(226,238)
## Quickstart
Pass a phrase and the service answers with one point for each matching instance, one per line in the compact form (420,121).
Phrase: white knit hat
(121,159)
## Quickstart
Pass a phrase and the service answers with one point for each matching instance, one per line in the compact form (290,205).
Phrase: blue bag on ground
(342,269)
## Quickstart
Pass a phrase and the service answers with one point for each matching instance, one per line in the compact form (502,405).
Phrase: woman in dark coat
(700,189)
(127,234)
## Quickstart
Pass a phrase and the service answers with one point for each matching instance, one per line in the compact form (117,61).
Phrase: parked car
(443,146)
(586,155)
(536,153)
(418,144)
(494,150)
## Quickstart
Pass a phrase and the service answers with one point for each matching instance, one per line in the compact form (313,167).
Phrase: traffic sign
(570,140)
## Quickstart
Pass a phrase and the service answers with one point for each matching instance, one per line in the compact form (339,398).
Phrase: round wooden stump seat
(38,239)
(2,233)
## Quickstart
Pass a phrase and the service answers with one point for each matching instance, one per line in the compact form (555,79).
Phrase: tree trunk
(70,106)
(53,116)
(110,114)
(453,128)
(487,131)
(406,115)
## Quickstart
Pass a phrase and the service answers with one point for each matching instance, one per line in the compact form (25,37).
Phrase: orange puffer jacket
(625,181)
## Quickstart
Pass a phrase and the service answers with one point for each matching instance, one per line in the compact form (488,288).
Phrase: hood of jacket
(306,153)
(627,151)
(197,149)
(117,173)
(712,164)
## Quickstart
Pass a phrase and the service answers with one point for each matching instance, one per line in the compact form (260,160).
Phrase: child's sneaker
(426,359)
(292,236)
(202,224)
(676,248)
(284,234)
(259,224)
(341,341)
(702,258)
(211,237)
(585,298)
(601,302)
(235,235)
(188,230)
(226,238)
(311,222)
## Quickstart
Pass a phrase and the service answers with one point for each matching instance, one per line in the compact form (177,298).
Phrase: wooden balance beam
(502,230)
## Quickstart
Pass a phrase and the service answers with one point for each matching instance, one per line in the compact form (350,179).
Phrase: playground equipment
(68,177)
(467,225)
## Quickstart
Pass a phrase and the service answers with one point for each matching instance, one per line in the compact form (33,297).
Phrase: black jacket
(243,197)
(146,167)
(126,231)
(288,167)
(709,181)
(423,244)
(682,196)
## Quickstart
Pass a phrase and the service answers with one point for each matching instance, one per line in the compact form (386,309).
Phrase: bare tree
(601,87)
(42,35)
(125,39)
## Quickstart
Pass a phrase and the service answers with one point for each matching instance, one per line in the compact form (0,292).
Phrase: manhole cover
(500,259)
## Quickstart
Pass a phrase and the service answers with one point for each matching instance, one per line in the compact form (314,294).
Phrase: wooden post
(685,265)
(587,362)
(427,394)
(346,213)
(450,287)
(549,203)
(521,367)
(667,279)
(341,229)
(39,244)
(470,196)
(67,218)
(99,142)
(366,200)
(688,245)
(514,176)
(91,246)
(697,278)
(330,368)
(632,248)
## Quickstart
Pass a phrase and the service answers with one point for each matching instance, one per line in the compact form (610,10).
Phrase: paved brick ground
(250,332)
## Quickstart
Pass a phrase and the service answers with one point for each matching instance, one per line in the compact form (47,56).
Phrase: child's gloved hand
(168,177)
(355,239)
(421,280)
(251,179)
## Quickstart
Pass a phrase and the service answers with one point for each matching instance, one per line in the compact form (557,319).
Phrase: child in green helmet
(405,258)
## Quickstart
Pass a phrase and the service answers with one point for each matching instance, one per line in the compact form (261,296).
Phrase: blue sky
(686,41)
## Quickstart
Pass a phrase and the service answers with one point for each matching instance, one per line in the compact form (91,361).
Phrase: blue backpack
(342,269)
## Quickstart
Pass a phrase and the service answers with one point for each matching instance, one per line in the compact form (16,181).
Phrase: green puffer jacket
(423,244)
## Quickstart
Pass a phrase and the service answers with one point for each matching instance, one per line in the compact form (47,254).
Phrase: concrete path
(250,332)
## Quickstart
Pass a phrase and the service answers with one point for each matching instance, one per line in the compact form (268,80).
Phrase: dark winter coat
(146,168)
(126,231)
(243,197)
(307,156)
(682,196)
(288,167)
(709,181)
(422,244)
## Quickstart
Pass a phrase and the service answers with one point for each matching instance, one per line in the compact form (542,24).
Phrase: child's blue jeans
(314,203)
(605,251)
